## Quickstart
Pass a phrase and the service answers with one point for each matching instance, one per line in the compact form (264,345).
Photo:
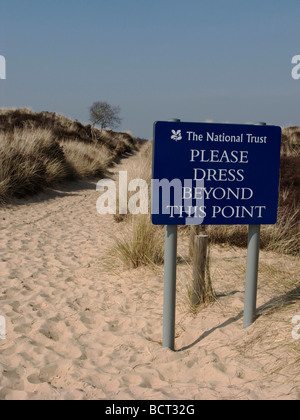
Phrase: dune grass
(87,160)
(142,245)
(31,160)
(41,150)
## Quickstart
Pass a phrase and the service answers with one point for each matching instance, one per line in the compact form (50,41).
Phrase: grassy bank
(40,150)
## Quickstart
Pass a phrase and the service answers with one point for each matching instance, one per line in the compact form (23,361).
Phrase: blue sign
(215,174)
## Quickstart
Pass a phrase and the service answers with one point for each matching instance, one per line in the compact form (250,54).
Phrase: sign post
(252,272)
(170,287)
(251,275)
(170,272)
(213,174)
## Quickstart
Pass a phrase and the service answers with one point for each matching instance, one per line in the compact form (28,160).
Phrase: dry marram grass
(40,150)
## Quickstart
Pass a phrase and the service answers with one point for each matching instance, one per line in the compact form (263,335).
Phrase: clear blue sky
(220,60)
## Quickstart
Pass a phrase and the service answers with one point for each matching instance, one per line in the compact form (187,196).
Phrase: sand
(78,330)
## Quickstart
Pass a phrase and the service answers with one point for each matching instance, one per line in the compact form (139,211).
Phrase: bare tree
(105,115)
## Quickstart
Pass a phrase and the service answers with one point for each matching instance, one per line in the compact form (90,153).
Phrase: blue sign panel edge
(159,219)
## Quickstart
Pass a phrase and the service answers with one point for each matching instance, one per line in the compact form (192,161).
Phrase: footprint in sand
(50,333)
(12,379)
(23,329)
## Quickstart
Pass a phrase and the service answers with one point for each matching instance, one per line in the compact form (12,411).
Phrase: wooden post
(202,291)
(194,231)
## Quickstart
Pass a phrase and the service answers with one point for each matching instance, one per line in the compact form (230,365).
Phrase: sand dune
(78,331)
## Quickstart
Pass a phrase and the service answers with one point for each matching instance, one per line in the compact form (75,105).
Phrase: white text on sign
(248,137)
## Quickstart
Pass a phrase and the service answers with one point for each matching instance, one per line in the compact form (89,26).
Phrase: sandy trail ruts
(78,331)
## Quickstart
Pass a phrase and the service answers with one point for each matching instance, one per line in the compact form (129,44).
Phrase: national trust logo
(176,135)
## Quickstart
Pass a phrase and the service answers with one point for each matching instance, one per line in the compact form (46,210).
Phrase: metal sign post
(170,269)
(252,272)
(170,287)
(251,275)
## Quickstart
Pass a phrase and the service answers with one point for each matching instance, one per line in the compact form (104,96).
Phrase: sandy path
(76,331)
